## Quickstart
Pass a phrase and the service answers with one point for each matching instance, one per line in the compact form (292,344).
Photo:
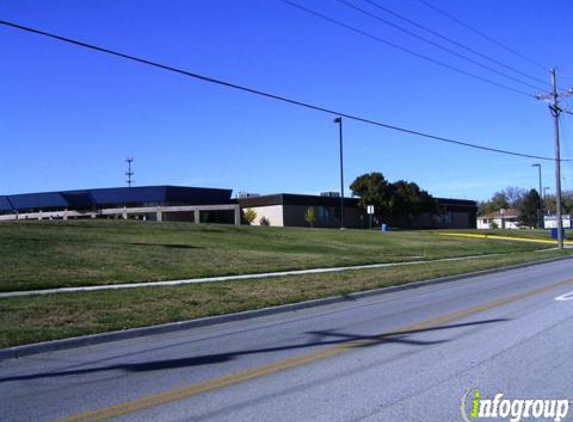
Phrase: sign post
(370,211)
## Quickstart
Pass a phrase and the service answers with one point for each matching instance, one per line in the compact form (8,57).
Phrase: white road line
(565,297)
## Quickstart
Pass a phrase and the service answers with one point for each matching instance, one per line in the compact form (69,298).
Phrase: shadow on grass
(318,338)
(166,245)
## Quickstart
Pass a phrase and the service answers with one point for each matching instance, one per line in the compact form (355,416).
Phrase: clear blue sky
(68,116)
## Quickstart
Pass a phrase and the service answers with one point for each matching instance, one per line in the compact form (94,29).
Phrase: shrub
(250,215)
(310,216)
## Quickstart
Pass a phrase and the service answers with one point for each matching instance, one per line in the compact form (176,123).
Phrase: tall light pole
(540,212)
(339,121)
(545,189)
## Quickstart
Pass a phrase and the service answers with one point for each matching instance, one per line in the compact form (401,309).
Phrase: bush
(310,216)
(250,215)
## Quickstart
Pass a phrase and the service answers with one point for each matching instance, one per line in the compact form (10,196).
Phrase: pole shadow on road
(318,339)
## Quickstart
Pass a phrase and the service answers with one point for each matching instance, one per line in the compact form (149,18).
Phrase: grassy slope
(36,255)
(39,318)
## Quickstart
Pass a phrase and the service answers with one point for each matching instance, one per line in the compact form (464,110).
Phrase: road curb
(74,342)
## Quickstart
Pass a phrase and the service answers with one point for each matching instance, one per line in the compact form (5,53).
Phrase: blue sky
(68,116)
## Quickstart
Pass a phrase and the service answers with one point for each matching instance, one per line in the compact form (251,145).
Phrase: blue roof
(5,204)
(82,199)
(38,200)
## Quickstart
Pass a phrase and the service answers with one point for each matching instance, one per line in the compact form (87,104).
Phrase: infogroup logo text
(475,408)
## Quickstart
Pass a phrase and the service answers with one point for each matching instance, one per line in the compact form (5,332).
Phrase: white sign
(370,209)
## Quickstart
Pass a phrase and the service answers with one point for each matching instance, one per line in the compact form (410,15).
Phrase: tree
(514,196)
(497,202)
(399,199)
(530,209)
(566,203)
(373,189)
(310,216)
(250,215)
(510,197)
(411,201)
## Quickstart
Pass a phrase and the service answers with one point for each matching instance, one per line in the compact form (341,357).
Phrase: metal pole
(339,121)
(540,214)
(555,111)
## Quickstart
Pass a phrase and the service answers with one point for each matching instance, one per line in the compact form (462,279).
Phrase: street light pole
(339,121)
(540,214)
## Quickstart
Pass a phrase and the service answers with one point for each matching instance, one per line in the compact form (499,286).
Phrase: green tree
(310,216)
(250,215)
(373,189)
(510,197)
(411,201)
(498,201)
(530,208)
(399,199)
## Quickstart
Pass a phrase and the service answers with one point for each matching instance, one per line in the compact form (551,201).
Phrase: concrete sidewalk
(228,278)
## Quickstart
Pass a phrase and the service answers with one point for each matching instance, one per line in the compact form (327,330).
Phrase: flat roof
(88,198)
(318,200)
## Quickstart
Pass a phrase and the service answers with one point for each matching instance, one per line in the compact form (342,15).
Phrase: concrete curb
(74,342)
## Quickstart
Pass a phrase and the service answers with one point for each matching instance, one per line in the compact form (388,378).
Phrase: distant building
(286,209)
(502,219)
(172,203)
(205,205)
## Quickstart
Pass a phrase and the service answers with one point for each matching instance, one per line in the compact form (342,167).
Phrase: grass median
(39,318)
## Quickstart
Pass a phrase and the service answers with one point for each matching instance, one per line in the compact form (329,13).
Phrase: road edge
(16,352)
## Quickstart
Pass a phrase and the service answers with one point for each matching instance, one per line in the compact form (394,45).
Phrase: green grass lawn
(37,255)
(48,317)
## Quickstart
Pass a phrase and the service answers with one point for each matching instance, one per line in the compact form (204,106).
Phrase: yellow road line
(272,368)
(498,237)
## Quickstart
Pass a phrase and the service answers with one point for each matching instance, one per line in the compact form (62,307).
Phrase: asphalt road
(403,356)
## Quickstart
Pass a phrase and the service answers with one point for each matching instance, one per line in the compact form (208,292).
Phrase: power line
(454,42)
(404,49)
(434,44)
(270,95)
(483,35)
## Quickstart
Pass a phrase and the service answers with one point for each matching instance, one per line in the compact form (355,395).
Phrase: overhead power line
(270,95)
(434,44)
(483,35)
(454,42)
(404,49)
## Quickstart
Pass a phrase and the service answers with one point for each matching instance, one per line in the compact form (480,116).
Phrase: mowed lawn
(37,255)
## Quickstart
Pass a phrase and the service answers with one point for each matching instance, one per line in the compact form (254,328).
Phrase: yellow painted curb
(498,237)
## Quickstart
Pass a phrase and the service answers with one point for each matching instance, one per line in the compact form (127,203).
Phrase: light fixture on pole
(339,121)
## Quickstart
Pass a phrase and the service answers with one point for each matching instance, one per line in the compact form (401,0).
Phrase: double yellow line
(283,365)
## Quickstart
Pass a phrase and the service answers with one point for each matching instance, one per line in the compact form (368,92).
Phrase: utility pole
(553,99)
(339,121)
(129,173)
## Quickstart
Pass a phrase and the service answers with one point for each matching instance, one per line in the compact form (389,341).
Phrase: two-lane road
(402,356)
